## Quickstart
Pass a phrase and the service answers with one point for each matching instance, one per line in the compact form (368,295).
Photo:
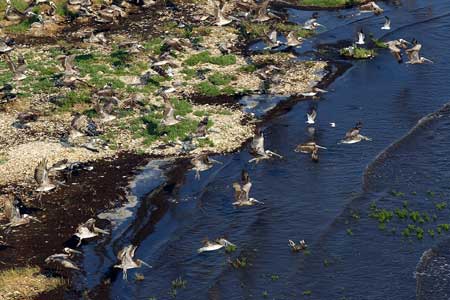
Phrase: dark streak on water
(311,201)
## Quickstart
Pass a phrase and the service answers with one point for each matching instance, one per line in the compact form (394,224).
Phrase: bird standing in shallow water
(127,261)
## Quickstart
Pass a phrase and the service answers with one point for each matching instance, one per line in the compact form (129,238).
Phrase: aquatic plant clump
(357,52)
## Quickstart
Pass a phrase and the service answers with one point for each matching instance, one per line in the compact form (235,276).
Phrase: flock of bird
(106,99)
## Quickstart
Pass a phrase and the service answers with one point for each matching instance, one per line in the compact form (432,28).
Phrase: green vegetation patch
(357,52)
(329,3)
(205,57)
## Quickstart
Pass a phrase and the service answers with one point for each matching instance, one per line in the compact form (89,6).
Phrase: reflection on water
(349,257)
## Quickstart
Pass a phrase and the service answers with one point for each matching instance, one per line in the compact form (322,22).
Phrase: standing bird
(41,177)
(63,259)
(414,54)
(127,261)
(257,148)
(311,116)
(88,230)
(261,11)
(387,24)
(353,135)
(219,13)
(361,37)
(202,162)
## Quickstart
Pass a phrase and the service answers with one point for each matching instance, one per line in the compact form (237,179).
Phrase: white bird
(332,124)
(361,38)
(125,256)
(311,117)
(272,40)
(41,177)
(387,24)
(88,230)
(215,245)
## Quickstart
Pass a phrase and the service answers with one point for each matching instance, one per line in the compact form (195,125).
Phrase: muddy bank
(83,196)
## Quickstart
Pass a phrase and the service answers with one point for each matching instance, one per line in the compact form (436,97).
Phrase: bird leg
(271,153)
(197,174)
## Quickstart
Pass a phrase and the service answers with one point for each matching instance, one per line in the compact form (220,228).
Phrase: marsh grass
(357,52)
(221,79)
(26,283)
(205,57)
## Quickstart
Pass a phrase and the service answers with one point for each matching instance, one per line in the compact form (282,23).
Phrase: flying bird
(209,246)
(257,148)
(41,177)
(88,230)
(360,38)
(414,54)
(311,116)
(127,261)
(219,13)
(353,135)
(387,24)
(64,259)
(242,191)
(202,162)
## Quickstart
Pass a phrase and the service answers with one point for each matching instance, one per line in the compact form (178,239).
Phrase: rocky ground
(207,68)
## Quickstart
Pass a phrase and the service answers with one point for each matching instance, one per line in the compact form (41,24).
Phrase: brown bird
(261,11)
(127,261)
(41,177)
(169,112)
(202,128)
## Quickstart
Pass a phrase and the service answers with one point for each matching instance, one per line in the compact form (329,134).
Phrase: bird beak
(320,147)
(216,161)
(145,264)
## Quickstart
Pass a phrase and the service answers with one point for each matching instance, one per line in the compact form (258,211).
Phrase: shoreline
(93,188)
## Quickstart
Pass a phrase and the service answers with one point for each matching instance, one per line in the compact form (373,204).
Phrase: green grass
(22,26)
(154,45)
(182,107)
(358,53)
(205,57)
(74,97)
(221,79)
(208,89)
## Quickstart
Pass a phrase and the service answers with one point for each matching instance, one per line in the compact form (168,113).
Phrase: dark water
(327,204)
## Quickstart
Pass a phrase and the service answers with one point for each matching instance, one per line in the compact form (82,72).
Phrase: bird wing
(40,172)
(258,145)
(273,36)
